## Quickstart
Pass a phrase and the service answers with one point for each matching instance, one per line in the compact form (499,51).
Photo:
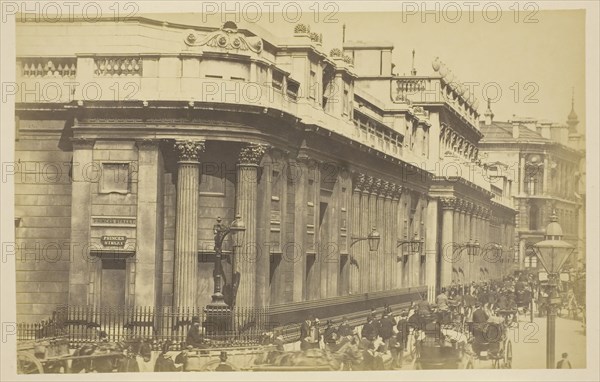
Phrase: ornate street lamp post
(373,239)
(553,252)
(414,246)
(218,312)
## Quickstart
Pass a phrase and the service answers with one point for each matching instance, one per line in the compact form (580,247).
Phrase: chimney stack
(489,115)
(515,126)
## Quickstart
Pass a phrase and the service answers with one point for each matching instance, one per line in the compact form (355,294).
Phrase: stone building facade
(547,162)
(134,136)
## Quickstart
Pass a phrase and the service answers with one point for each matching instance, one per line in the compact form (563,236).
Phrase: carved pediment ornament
(227,37)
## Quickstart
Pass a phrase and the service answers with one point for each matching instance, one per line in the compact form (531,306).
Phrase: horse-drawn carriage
(490,342)
(432,346)
(53,355)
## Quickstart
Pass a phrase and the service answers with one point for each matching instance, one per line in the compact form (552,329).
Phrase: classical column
(446,255)
(388,235)
(545,176)
(522,176)
(431,249)
(365,228)
(245,205)
(396,192)
(186,228)
(354,230)
(372,257)
(461,238)
(379,271)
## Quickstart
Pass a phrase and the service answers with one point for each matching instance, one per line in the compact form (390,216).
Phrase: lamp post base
(218,318)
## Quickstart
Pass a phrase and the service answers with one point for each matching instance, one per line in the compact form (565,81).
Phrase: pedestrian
(395,345)
(344,329)
(386,328)
(369,330)
(564,363)
(330,335)
(403,329)
(194,337)
(223,365)
(305,333)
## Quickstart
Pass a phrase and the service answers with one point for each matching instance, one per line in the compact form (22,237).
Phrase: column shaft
(365,228)
(446,256)
(186,228)
(355,255)
(245,205)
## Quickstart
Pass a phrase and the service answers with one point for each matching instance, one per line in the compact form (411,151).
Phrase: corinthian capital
(448,203)
(189,150)
(360,182)
(251,154)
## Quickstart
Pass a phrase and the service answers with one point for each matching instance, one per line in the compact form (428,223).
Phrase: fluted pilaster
(186,228)
(447,256)
(354,251)
(388,235)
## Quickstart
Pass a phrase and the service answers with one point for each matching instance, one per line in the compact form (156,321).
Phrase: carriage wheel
(28,364)
(508,355)
(212,365)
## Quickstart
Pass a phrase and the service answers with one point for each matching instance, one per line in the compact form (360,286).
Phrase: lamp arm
(356,239)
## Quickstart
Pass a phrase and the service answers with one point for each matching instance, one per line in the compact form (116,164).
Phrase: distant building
(134,136)
(547,163)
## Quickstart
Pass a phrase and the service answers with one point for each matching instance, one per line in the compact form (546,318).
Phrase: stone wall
(43,218)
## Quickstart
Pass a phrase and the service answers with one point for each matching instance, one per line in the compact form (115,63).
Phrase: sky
(529,63)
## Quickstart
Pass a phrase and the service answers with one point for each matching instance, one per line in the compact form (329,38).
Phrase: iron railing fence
(220,327)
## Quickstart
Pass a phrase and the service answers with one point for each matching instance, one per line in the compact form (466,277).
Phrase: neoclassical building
(547,163)
(133,137)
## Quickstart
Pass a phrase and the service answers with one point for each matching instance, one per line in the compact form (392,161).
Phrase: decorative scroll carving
(252,154)
(189,150)
(448,203)
(227,37)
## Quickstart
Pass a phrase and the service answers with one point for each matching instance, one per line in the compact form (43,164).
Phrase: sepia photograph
(299,190)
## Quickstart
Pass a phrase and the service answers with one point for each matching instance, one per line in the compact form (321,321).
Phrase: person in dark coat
(194,336)
(164,362)
(223,365)
(386,328)
(369,330)
(344,329)
(330,330)
(403,329)
(564,363)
